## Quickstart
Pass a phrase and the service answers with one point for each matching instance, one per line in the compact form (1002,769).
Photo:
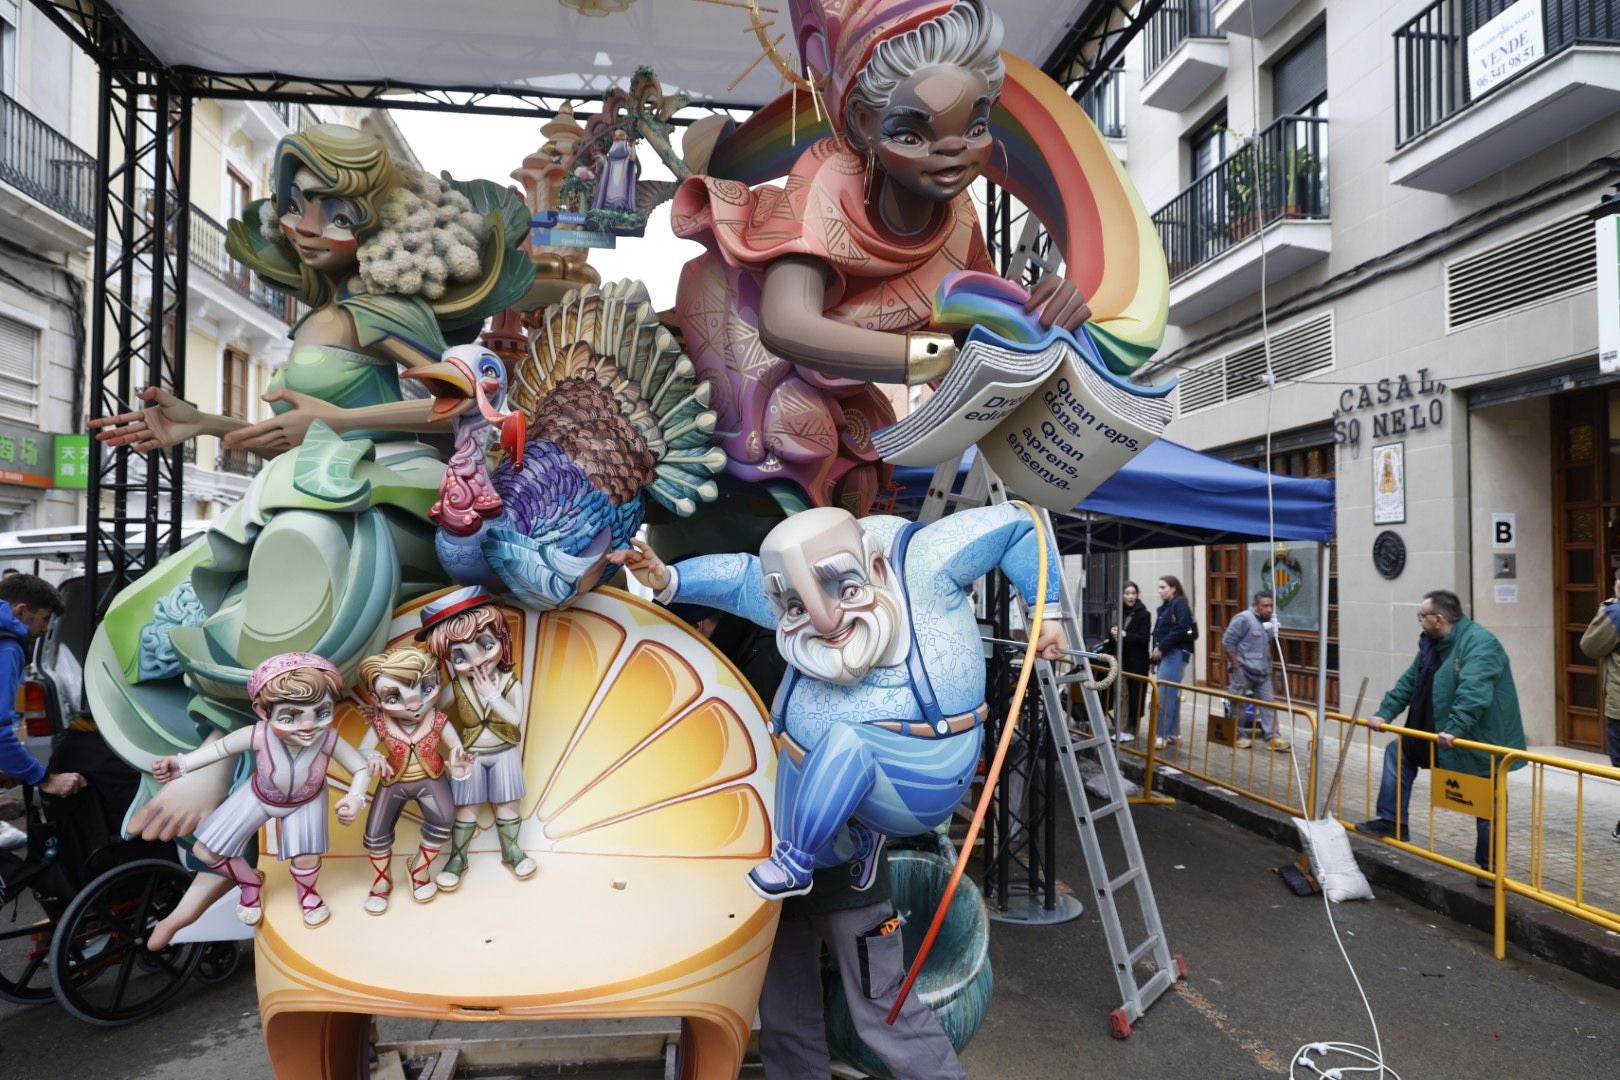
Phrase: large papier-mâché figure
(880,717)
(813,291)
(333,533)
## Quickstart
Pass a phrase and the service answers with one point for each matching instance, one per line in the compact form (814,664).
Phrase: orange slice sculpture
(648,775)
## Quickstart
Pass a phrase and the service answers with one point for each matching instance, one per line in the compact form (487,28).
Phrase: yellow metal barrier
(1539,841)
(1532,854)
(1269,781)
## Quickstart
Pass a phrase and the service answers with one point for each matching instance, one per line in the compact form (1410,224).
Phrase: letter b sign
(1504,530)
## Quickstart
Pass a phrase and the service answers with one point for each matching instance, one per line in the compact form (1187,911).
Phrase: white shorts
(496,778)
(232,825)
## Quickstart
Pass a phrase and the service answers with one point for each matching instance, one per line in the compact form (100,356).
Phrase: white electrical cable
(1303,1057)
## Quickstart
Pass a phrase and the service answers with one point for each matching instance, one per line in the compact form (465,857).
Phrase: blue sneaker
(863,866)
(786,873)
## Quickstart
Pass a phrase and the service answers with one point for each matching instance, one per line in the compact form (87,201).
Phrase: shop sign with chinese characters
(72,460)
(25,457)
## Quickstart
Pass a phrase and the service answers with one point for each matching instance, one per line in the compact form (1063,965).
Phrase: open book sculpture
(1042,406)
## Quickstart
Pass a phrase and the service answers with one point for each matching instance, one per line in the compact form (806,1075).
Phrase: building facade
(236,330)
(47,195)
(1381,259)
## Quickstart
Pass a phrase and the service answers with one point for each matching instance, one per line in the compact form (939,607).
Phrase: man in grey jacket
(1247,643)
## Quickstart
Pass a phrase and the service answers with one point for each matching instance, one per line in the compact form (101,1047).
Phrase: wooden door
(1587,488)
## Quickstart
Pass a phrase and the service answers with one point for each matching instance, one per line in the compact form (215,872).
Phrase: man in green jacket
(1460,686)
(1601,642)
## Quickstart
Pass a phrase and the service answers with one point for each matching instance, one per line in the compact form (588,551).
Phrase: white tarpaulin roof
(541,45)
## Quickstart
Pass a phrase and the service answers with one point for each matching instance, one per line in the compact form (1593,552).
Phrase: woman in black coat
(1132,640)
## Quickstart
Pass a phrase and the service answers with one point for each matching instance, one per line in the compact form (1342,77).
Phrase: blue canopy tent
(1171,496)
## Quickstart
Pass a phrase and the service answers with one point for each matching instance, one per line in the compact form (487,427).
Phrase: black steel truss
(138,319)
(1098,39)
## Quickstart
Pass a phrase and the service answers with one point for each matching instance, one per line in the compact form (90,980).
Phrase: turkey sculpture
(604,411)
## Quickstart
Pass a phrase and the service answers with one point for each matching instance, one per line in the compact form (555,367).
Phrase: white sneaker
(1158,744)
(1125,737)
(11,836)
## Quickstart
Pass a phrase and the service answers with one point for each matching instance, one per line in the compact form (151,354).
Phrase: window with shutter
(235,390)
(19,370)
(1299,79)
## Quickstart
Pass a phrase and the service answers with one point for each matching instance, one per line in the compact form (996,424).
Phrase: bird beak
(450,384)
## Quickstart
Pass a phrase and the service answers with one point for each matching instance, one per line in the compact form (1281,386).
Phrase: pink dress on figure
(785,421)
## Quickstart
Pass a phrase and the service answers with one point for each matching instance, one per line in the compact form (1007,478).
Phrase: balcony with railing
(207,244)
(1183,54)
(46,166)
(1103,103)
(1276,182)
(238,462)
(1481,84)
(1250,18)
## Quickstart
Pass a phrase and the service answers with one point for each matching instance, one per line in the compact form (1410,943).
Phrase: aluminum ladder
(1137,994)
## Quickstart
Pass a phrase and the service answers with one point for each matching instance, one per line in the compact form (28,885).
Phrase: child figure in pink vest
(295,695)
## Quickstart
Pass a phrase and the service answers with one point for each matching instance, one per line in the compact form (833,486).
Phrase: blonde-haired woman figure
(333,534)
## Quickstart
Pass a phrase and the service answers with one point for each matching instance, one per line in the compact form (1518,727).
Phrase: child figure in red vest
(408,748)
(295,695)
(467,631)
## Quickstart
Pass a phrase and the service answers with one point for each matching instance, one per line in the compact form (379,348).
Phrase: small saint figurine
(466,631)
(295,695)
(617,174)
(414,758)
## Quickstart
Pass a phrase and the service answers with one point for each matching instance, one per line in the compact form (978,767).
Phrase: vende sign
(1505,46)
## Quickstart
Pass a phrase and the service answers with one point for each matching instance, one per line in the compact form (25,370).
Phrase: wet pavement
(1265,978)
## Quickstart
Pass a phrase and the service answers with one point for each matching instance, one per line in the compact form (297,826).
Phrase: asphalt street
(1265,978)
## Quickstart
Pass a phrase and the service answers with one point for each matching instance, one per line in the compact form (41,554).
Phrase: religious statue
(334,532)
(879,720)
(616,182)
(295,696)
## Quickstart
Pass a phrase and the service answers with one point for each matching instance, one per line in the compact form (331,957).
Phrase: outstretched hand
(644,564)
(287,430)
(1060,303)
(167,422)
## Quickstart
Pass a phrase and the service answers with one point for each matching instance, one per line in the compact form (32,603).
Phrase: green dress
(330,538)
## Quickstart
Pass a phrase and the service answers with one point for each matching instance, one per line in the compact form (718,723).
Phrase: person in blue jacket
(1172,649)
(27,605)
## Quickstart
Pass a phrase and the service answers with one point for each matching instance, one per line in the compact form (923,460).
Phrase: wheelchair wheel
(220,959)
(25,947)
(100,968)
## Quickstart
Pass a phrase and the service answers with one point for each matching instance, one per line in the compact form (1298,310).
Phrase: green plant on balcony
(1298,163)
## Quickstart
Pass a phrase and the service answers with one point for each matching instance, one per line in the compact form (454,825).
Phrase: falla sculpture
(539,740)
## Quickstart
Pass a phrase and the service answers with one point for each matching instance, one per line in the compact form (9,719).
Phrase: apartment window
(1208,145)
(8,49)
(238,193)
(19,370)
(1299,79)
(234,392)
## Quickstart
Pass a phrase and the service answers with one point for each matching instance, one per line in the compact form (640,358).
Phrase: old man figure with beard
(879,720)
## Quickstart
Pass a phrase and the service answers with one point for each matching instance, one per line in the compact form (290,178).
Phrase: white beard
(845,664)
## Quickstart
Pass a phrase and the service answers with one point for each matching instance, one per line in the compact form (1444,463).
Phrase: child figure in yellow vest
(415,757)
(466,631)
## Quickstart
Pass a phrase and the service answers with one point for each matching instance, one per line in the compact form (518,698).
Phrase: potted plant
(1298,162)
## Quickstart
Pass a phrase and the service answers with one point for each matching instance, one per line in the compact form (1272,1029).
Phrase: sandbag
(1334,864)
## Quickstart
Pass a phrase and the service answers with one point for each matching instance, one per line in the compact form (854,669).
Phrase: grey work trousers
(792,1031)
(432,796)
